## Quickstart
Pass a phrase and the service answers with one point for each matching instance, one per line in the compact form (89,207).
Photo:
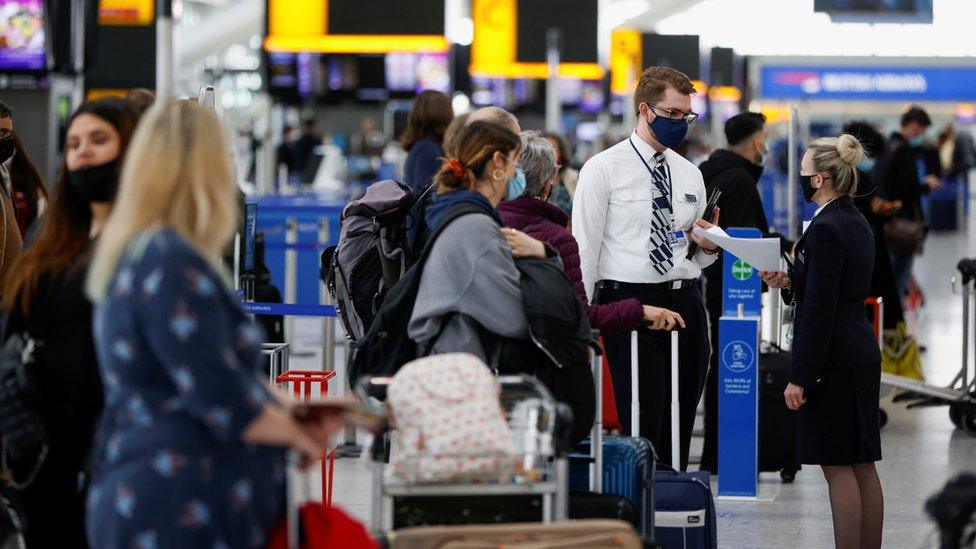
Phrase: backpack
(371,256)
(561,334)
(385,345)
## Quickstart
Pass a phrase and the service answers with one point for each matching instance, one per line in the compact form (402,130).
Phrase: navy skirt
(840,422)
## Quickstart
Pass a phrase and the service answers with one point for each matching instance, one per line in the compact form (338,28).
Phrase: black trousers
(709,461)
(654,366)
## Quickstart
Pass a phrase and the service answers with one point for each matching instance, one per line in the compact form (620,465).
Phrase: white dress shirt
(612,215)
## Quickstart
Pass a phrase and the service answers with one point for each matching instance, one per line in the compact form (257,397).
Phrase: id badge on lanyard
(677,237)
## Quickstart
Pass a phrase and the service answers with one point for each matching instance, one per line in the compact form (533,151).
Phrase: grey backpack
(372,253)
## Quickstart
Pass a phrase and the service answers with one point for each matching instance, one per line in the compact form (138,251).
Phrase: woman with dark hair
(877,211)
(45,301)
(423,139)
(564,186)
(29,194)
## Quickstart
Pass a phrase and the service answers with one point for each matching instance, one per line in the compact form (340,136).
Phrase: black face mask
(6,149)
(96,183)
(807,186)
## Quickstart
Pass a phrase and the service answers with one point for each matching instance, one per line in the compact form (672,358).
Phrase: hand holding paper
(760,253)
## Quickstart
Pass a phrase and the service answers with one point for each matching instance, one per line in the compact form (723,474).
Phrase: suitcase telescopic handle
(596,437)
(675,404)
(675,398)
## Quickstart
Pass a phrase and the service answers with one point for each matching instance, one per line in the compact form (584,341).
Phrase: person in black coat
(735,172)
(877,211)
(904,182)
(835,377)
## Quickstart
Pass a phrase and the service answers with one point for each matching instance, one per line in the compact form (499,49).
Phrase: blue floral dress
(179,363)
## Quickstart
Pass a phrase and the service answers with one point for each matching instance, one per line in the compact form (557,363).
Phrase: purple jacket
(547,222)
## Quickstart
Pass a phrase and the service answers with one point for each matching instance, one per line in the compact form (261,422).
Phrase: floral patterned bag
(451,425)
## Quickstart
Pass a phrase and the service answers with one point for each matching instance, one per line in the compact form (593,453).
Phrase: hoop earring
(495,176)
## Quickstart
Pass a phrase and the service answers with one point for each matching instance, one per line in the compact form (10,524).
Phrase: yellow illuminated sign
(775,113)
(302,26)
(493,50)
(730,94)
(101,93)
(625,61)
(126,12)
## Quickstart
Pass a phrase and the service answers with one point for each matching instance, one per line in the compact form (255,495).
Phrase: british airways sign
(869,83)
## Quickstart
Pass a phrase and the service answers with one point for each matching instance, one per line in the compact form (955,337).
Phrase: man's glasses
(676,114)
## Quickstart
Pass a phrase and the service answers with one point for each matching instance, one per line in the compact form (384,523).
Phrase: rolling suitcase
(777,423)
(626,486)
(684,516)
(627,464)
(684,509)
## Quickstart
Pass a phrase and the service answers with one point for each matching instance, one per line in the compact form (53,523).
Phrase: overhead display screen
(577,19)
(919,11)
(510,38)
(876,6)
(22,38)
(356,26)
(386,17)
(678,51)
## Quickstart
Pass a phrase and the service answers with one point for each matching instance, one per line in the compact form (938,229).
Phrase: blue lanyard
(666,191)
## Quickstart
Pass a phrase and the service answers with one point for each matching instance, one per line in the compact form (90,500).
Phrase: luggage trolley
(535,470)
(302,383)
(960,394)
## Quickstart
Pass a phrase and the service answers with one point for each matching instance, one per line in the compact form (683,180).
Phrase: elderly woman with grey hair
(534,215)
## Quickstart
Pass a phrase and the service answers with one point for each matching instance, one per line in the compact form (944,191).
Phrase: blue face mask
(866,164)
(669,133)
(916,141)
(516,185)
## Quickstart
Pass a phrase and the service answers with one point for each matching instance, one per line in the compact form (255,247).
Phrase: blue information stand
(738,376)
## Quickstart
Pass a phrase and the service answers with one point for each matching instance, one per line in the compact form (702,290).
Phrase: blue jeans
(901,268)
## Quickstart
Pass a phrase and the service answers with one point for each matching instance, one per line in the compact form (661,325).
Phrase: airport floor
(921,448)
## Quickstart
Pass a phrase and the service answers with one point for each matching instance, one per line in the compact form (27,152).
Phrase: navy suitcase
(684,516)
(683,509)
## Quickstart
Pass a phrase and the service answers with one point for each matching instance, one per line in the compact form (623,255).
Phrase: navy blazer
(830,280)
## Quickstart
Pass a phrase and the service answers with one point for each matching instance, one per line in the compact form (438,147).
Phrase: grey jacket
(471,276)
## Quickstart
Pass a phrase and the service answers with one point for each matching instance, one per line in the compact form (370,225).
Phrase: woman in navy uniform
(836,372)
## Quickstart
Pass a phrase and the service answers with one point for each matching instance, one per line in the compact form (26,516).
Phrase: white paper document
(761,253)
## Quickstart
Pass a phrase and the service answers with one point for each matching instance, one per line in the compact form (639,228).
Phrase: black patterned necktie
(662,256)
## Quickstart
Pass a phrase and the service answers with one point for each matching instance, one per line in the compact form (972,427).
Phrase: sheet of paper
(761,253)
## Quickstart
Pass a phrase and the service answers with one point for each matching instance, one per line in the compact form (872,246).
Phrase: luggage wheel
(883,417)
(963,416)
(787,476)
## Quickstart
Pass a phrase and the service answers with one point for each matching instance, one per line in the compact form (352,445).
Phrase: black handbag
(22,433)
(905,236)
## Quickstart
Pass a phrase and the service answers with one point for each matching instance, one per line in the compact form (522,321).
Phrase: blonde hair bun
(849,149)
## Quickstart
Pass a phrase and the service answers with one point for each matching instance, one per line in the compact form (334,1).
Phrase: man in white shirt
(634,209)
